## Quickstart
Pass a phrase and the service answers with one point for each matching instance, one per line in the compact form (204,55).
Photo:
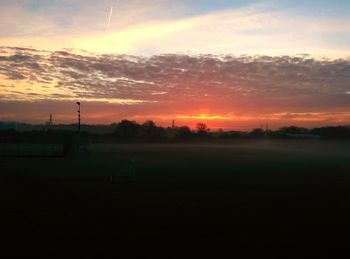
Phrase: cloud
(273,88)
(164,26)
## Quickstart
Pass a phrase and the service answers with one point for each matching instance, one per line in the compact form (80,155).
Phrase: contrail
(110,18)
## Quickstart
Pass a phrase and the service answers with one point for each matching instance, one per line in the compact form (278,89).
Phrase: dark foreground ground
(238,200)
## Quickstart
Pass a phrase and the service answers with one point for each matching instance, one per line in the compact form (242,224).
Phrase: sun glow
(205,116)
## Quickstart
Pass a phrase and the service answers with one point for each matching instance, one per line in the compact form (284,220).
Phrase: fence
(31,150)
(33,147)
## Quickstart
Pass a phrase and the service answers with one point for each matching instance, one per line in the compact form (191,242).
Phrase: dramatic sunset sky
(232,64)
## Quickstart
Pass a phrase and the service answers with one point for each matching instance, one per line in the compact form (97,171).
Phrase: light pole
(78,116)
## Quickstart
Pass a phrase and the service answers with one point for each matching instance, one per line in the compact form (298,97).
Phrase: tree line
(131,129)
(149,130)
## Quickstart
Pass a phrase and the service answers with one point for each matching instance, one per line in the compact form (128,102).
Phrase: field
(242,197)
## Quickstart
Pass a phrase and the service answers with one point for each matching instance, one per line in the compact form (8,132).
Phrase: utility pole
(173,125)
(78,103)
(50,121)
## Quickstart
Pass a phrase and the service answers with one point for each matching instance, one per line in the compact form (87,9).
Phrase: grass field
(244,196)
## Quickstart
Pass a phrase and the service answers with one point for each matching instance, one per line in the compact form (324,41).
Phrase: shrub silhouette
(127,129)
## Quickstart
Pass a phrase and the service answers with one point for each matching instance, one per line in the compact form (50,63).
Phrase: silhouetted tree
(232,134)
(292,130)
(184,132)
(127,129)
(339,132)
(257,133)
(151,130)
(202,129)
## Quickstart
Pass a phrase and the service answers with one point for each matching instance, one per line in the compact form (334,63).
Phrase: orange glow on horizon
(248,121)
(205,117)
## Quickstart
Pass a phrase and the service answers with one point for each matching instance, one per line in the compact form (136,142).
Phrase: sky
(231,64)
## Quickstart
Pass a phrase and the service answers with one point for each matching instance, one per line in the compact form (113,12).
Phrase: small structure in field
(125,174)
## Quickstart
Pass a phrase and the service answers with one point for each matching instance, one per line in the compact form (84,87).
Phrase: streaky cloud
(218,86)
